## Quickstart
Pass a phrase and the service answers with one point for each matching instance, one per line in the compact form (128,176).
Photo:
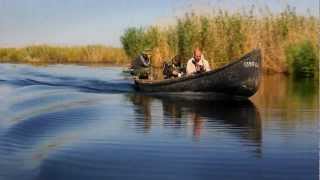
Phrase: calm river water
(64,122)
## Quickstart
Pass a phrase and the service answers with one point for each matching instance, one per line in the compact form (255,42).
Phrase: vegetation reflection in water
(290,95)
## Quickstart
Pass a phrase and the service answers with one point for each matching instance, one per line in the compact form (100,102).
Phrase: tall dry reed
(44,54)
(225,36)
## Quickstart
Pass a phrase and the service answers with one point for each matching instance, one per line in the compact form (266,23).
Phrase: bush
(303,59)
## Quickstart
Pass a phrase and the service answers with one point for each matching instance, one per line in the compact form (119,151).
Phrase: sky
(83,22)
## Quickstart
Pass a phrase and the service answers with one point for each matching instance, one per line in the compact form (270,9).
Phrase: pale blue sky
(80,22)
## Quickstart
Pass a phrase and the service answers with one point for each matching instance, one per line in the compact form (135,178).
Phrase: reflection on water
(200,114)
(199,111)
(78,122)
(291,100)
(282,91)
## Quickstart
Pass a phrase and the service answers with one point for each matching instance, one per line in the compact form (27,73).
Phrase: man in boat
(174,68)
(141,64)
(197,63)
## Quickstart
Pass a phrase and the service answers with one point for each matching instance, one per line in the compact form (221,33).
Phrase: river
(81,122)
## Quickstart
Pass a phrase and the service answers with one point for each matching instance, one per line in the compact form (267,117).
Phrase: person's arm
(190,68)
(207,66)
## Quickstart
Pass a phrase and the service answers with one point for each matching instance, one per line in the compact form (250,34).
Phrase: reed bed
(225,36)
(289,42)
(44,54)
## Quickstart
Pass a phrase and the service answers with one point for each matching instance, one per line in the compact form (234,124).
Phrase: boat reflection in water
(203,115)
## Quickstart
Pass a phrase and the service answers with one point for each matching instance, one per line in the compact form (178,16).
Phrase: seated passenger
(141,65)
(173,69)
(197,64)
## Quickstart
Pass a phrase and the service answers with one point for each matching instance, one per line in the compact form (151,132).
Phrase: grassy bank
(44,54)
(225,36)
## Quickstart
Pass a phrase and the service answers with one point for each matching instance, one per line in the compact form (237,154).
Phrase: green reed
(303,59)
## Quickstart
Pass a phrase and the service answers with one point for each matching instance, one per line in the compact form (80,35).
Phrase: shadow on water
(203,113)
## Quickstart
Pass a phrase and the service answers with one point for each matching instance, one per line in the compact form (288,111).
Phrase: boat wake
(97,80)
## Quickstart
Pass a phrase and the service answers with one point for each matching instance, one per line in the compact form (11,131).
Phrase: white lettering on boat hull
(249,64)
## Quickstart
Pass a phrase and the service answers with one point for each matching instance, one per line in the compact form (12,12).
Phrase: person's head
(197,54)
(176,60)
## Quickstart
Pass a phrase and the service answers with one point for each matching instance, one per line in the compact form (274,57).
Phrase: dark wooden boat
(239,78)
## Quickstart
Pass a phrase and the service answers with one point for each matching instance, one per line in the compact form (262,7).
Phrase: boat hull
(239,78)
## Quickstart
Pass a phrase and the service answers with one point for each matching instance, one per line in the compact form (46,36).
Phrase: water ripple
(77,122)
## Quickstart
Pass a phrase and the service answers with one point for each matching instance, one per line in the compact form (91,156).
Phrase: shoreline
(264,71)
(80,64)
